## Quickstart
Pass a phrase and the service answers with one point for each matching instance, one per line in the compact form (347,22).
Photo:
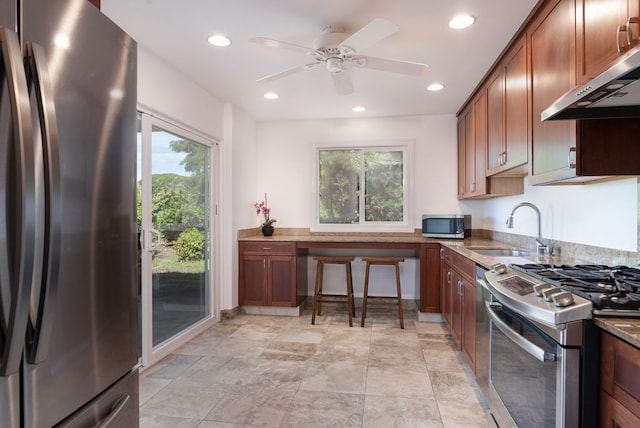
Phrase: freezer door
(114,408)
(83,337)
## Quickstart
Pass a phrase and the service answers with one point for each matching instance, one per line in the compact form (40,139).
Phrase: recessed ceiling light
(462,21)
(435,87)
(358,109)
(219,40)
(271,96)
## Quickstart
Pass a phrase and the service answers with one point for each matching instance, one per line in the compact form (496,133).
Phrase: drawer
(255,247)
(465,266)
(446,254)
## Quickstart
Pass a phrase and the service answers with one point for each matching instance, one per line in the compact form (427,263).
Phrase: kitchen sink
(501,252)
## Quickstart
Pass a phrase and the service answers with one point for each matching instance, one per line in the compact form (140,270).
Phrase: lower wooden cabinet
(270,274)
(428,284)
(619,383)
(458,289)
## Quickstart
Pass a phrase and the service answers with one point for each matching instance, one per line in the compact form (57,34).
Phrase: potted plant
(267,224)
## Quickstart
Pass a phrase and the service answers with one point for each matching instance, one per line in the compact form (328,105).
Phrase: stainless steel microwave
(456,226)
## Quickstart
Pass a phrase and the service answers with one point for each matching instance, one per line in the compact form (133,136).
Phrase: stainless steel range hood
(613,94)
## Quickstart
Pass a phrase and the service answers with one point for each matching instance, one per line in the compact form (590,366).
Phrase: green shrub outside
(190,245)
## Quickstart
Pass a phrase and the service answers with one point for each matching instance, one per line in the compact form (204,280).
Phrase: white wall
(599,214)
(164,90)
(286,165)
(241,172)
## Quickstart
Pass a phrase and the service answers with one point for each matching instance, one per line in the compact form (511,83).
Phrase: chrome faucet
(541,247)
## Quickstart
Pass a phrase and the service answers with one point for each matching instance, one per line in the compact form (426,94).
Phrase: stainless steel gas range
(544,349)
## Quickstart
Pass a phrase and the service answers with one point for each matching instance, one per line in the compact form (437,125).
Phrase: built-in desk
(256,280)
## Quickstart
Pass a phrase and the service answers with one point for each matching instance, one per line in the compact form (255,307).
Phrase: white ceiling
(177,31)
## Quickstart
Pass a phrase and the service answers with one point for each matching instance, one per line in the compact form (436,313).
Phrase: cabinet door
(516,113)
(552,42)
(446,290)
(461,154)
(456,306)
(282,281)
(597,22)
(469,322)
(252,280)
(615,415)
(495,122)
(429,283)
(479,145)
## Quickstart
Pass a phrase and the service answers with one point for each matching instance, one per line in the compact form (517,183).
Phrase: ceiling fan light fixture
(219,40)
(462,21)
(434,87)
(334,65)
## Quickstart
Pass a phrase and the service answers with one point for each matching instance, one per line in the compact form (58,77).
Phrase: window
(362,188)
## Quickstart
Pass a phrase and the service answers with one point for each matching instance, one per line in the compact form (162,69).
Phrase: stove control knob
(549,292)
(563,299)
(539,288)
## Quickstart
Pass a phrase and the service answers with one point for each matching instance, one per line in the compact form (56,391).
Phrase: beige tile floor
(284,372)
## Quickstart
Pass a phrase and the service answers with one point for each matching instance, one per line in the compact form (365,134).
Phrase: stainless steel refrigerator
(68,289)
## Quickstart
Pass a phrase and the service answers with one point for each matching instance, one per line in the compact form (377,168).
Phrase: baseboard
(227,314)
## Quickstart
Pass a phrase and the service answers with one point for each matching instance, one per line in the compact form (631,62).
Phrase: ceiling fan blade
(370,34)
(392,65)
(272,43)
(287,72)
(342,82)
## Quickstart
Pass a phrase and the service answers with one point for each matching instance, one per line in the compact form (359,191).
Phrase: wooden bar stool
(382,261)
(318,294)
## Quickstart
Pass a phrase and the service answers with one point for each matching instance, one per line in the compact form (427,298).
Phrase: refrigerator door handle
(115,411)
(39,83)
(20,208)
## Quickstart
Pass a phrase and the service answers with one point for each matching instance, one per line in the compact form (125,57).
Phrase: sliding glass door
(174,218)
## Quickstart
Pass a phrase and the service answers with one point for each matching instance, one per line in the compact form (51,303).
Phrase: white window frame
(407,146)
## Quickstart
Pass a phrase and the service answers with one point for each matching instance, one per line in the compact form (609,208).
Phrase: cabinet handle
(267,248)
(571,158)
(441,253)
(449,277)
(631,20)
(504,158)
(622,48)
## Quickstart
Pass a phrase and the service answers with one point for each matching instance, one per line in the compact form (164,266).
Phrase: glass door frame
(151,354)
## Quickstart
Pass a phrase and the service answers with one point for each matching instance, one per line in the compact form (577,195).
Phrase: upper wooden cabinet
(471,149)
(507,114)
(564,43)
(569,150)
(551,40)
(602,29)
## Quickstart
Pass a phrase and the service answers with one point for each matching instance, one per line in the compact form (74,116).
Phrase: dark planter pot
(268,230)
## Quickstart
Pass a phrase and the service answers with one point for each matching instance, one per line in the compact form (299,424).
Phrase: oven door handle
(530,348)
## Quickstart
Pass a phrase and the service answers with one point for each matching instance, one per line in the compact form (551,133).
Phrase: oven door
(528,374)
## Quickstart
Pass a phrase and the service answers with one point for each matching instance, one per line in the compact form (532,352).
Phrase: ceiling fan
(337,51)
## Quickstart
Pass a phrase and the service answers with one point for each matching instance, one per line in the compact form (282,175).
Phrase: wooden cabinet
(598,42)
(472,148)
(619,383)
(429,281)
(569,150)
(270,274)
(551,40)
(459,300)
(507,114)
